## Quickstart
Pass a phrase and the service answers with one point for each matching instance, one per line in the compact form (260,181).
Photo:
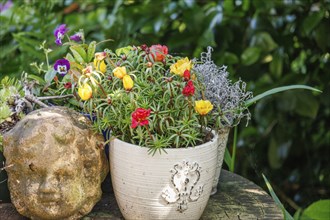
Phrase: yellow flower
(100,65)
(203,107)
(128,82)
(85,92)
(180,66)
(120,72)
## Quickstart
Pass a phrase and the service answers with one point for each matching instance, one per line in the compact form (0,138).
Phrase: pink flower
(158,52)
(140,117)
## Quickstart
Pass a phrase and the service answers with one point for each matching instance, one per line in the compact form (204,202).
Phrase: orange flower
(158,52)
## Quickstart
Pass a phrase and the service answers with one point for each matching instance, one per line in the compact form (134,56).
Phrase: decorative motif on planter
(184,180)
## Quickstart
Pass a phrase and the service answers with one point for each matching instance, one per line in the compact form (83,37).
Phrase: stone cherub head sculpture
(56,164)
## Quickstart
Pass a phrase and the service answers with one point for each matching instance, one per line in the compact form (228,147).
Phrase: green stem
(190,107)
(47,60)
(201,123)
(102,89)
(233,154)
(151,137)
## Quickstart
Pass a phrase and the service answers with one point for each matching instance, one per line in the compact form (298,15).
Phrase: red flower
(139,117)
(186,75)
(189,89)
(158,52)
(145,48)
(68,85)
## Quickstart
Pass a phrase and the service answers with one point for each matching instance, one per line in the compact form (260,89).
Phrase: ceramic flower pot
(222,143)
(172,185)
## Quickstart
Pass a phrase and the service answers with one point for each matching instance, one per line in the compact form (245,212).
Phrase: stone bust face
(57,166)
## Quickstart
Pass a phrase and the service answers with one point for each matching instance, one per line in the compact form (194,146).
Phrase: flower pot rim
(214,138)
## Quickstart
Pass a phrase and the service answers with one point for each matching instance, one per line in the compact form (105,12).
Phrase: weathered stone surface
(56,164)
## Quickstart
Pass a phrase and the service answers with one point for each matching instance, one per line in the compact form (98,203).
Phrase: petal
(134,123)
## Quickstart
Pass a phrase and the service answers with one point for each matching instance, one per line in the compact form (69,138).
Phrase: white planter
(173,185)
(222,143)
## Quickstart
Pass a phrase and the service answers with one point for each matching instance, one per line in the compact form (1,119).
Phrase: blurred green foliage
(265,43)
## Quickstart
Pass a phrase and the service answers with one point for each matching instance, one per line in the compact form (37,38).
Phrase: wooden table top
(237,198)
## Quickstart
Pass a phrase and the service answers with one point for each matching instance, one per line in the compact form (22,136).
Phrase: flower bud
(128,82)
(149,64)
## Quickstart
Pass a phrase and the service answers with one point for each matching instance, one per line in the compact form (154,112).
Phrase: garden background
(265,43)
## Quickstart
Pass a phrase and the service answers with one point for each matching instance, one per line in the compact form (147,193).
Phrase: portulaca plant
(146,96)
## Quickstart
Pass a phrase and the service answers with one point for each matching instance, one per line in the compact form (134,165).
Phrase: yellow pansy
(203,107)
(128,82)
(180,66)
(119,72)
(85,92)
(100,65)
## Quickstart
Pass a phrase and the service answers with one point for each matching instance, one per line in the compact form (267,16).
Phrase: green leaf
(319,210)
(277,90)
(91,51)
(79,53)
(230,58)
(49,76)
(322,34)
(286,214)
(70,58)
(228,6)
(297,214)
(273,156)
(311,21)
(250,55)
(5,112)
(276,66)
(227,157)
(307,105)
(37,78)
(246,5)
(264,41)
(124,50)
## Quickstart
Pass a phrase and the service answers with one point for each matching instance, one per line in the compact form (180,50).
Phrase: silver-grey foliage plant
(228,98)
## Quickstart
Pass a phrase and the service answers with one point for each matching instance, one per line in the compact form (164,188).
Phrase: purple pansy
(59,33)
(76,37)
(62,66)
(5,6)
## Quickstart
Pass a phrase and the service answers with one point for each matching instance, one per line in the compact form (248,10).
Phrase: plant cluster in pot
(164,154)
(169,119)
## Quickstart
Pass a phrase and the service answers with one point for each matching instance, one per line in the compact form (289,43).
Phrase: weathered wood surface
(237,198)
